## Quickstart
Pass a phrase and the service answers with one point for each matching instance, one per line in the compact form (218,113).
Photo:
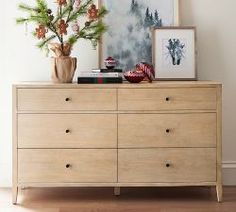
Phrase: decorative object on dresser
(56,25)
(147,69)
(134,76)
(59,141)
(174,53)
(129,21)
(142,71)
(101,76)
(110,63)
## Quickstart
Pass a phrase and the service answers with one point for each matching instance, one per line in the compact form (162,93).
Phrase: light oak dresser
(159,134)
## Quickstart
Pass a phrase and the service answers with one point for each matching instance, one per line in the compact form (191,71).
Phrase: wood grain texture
(167,99)
(14,146)
(42,148)
(142,85)
(67,131)
(116,184)
(167,130)
(219,189)
(167,165)
(78,99)
(92,165)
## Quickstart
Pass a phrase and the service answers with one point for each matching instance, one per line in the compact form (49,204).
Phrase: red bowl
(134,76)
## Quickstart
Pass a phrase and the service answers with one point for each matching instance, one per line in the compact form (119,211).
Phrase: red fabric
(100,80)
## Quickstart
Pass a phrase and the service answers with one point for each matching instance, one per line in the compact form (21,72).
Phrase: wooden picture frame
(174,70)
(101,52)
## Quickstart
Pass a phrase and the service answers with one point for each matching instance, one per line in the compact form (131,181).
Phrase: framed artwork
(174,53)
(129,22)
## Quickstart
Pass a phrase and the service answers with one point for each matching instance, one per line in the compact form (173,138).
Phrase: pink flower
(75,27)
(77,4)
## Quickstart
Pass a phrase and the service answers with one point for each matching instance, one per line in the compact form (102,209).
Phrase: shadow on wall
(210,58)
(215,21)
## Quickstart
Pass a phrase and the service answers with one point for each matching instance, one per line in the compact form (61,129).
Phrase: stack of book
(100,76)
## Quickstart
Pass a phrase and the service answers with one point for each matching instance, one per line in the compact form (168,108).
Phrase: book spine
(99,80)
(100,75)
(107,70)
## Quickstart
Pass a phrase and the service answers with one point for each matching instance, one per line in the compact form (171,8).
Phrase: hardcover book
(100,75)
(104,70)
(99,80)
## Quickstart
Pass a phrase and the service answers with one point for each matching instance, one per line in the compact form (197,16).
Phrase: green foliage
(92,33)
(40,14)
(65,11)
(80,12)
(42,5)
(21,20)
(72,39)
(45,41)
(26,7)
(102,12)
(37,14)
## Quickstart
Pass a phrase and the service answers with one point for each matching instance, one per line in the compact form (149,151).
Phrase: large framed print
(128,39)
(174,53)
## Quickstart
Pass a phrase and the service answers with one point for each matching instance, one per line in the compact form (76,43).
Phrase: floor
(131,200)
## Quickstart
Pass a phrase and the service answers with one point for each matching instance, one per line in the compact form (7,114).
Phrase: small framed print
(174,53)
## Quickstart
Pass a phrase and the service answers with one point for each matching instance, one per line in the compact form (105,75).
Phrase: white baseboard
(5,175)
(229,174)
(229,164)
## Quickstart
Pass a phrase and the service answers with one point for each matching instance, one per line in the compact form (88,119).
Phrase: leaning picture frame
(129,22)
(174,53)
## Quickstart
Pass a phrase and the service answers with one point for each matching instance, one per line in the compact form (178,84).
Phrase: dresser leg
(14,195)
(219,192)
(117,191)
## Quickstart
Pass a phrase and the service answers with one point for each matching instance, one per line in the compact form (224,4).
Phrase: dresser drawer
(167,130)
(67,131)
(167,165)
(167,99)
(67,166)
(66,99)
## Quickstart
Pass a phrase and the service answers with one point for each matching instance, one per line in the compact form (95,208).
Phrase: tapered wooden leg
(117,191)
(14,194)
(219,192)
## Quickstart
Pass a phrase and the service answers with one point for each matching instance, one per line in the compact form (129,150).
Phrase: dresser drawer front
(167,99)
(83,166)
(67,131)
(167,130)
(167,165)
(66,99)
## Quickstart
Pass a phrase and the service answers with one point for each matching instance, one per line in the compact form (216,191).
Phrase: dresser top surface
(155,84)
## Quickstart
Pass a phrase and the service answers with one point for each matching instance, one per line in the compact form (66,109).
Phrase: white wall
(215,20)
(20,60)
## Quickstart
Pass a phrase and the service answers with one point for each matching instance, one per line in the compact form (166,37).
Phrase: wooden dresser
(159,134)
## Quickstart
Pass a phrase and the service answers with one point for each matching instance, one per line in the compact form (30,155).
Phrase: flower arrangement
(55,25)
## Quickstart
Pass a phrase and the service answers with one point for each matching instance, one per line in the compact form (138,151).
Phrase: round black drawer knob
(167,130)
(67,99)
(67,131)
(167,165)
(167,99)
(68,166)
